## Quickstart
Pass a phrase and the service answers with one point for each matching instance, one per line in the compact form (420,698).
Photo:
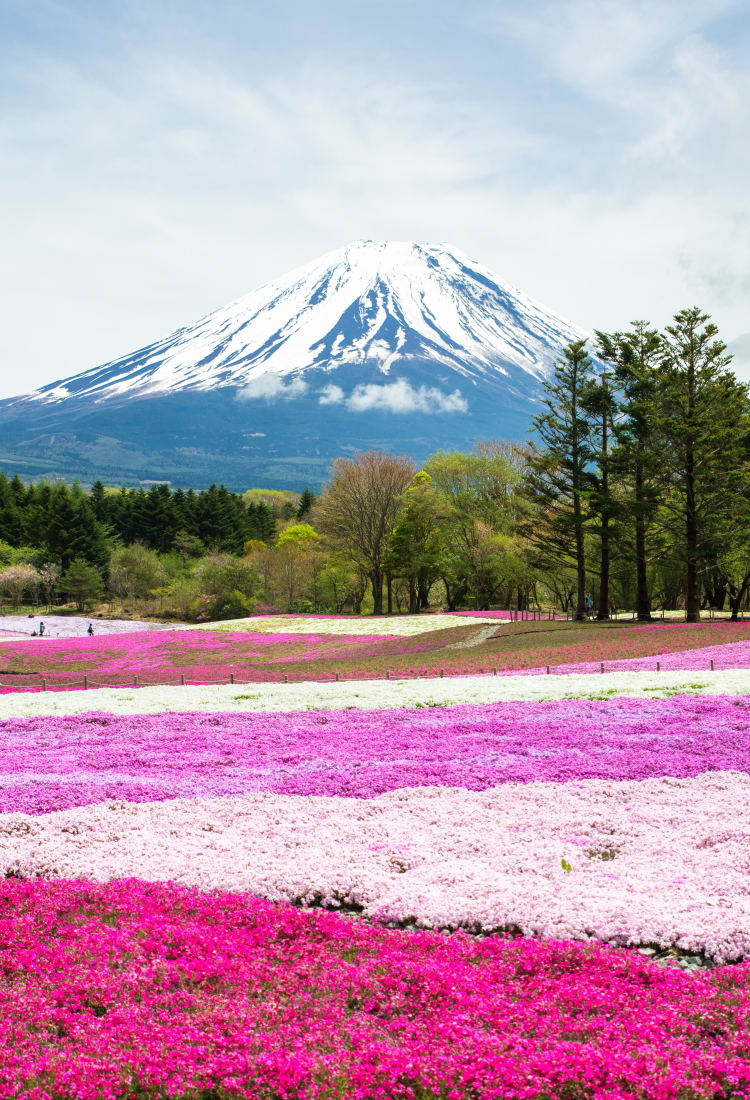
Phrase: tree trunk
(576,480)
(580,611)
(413,602)
(359,595)
(692,599)
(449,595)
(423,593)
(642,597)
(603,612)
(736,596)
(389,591)
(376,579)
(603,609)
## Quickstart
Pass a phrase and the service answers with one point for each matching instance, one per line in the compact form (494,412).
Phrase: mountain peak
(394,345)
(375,305)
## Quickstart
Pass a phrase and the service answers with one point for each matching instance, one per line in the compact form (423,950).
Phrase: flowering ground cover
(352,625)
(72,626)
(205,656)
(661,862)
(201,655)
(51,764)
(351,695)
(132,990)
(161,846)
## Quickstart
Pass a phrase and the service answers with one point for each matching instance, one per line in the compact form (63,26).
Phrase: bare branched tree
(358,510)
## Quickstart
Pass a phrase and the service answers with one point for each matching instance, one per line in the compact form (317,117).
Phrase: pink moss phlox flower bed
(51,764)
(201,655)
(728,655)
(132,990)
(210,657)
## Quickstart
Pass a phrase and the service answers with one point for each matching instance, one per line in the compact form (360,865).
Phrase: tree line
(60,540)
(632,494)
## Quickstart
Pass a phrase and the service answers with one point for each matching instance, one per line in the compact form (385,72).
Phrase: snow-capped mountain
(435,348)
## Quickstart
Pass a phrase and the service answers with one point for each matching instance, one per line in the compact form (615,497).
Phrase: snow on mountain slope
(383,305)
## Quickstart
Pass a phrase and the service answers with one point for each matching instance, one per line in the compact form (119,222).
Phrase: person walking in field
(90,630)
(41,629)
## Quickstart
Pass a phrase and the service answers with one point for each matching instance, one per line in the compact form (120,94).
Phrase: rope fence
(38,681)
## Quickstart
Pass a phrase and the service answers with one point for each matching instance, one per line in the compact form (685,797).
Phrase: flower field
(466,645)
(397,626)
(515,886)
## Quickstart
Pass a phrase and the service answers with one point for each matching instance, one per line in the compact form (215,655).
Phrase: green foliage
(82,583)
(637,489)
(301,535)
(559,465)
(307,500)
(135,571)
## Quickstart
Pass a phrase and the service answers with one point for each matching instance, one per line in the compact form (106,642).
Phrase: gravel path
(476,639)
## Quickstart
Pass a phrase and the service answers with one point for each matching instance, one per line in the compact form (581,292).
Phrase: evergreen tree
(599,403)
(557,476)
(99,501)
(82,583)
(635,357)
(306,502)
(60,526)
(11,524)
(701,421)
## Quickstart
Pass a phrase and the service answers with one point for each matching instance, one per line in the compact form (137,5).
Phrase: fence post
(658,666)
(548,670)
(44,684)
(231,677)
(602,666)
(387,674)
(494,672)
(182,679)
(85,682)
(135,680)
(712,664)
(337,677)
(442,673)
(286,678)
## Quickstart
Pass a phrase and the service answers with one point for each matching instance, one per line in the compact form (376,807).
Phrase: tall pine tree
(699,418)
(635,357)
(558,464)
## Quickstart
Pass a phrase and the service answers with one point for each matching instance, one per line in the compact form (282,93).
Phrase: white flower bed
(657,861)
(397,626)
(72,626)
(372,694)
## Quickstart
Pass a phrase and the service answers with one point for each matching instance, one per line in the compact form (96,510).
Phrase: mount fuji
(396,345)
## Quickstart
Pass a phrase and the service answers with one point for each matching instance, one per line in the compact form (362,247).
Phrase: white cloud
(593,152)
(740,349)
(395,397)
(401,397)
(270,387)
(331,395)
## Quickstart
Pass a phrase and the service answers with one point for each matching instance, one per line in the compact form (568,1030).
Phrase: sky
(159,158)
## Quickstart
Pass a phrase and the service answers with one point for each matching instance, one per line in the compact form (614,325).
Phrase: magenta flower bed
(201,656)
(132,990)
(51,764)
